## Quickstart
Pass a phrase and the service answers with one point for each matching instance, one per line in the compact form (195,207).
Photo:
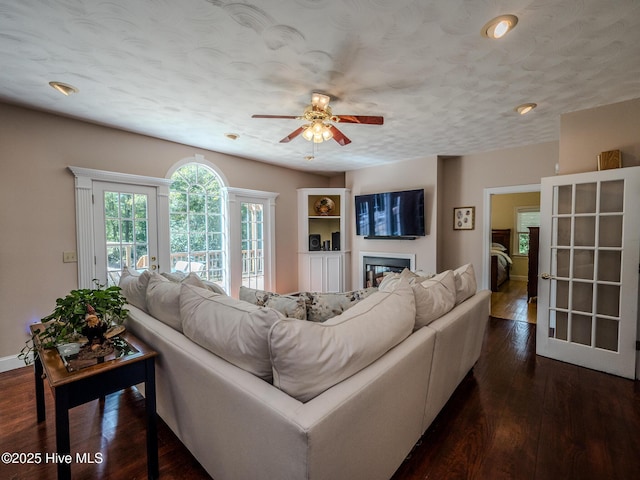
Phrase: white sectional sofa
(360,426)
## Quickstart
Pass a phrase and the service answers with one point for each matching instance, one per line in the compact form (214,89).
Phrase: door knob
(546,276)
(153,267)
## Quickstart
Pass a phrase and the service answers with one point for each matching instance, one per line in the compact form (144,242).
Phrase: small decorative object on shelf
(324,206)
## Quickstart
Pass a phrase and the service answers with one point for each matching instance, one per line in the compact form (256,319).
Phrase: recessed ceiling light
(499,26)
(525,108)
(64,88)
(231,136)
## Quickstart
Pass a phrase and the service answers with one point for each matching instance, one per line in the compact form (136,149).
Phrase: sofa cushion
(179,276)
(289,305)
(466,285)
(163,298)
(232,329)
(390,280)
(310,357)
(134,287)
(323,306)
(435,296)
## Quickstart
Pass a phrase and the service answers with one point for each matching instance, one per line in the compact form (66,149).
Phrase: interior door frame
(486,224)
(85,241)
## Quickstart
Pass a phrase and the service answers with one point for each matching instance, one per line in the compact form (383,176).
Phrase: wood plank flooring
(516,416)
(510,302)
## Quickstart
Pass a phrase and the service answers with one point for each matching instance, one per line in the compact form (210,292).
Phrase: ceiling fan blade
(338,136)
(275,116)
(364,119)
(293,134)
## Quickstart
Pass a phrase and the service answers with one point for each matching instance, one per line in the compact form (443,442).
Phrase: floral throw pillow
(323,306)
(291,306)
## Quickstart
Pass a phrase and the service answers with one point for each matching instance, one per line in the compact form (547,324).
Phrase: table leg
(63,444)
(153,470)
(38,372)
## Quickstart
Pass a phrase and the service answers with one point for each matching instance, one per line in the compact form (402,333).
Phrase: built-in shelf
(323,241)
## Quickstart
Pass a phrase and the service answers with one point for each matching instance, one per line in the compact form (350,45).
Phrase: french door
(589,257)
(125,229)
(252,239)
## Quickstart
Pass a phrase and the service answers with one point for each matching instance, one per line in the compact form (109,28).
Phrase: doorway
(511,210)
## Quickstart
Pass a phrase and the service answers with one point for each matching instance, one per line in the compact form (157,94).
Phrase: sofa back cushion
(232,329)
(293,306)
(435,296)
(308,357)
(163,298)
(134,287)
(466,284)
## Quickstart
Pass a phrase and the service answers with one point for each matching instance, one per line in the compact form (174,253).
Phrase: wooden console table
(74,388)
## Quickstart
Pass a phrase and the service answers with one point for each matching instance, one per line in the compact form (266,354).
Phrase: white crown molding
(116,177)
(245,192)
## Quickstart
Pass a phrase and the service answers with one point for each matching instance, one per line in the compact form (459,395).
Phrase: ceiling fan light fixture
(307,134)
(499,26)
(525,108)
(320,100)
(64,88)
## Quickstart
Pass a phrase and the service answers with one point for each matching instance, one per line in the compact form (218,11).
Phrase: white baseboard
(10,363)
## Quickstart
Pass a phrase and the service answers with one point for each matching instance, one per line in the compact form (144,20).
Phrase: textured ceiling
(192,70)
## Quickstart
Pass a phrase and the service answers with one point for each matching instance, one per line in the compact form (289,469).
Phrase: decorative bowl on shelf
(324,206)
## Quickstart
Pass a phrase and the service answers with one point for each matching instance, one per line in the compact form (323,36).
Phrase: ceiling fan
(320,122)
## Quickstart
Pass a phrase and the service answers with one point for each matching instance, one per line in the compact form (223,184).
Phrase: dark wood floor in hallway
(517,416)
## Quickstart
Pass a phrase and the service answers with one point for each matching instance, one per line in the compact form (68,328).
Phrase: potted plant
(83,312)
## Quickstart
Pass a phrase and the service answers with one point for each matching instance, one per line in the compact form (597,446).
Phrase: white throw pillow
(309,357)
(466,285)
(434,297)
(134,287)
(232,329)
(163,298)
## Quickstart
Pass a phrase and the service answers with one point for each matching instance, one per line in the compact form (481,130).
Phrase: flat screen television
(390,214)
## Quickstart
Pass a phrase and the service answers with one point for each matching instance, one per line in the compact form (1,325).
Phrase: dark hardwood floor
(516,416)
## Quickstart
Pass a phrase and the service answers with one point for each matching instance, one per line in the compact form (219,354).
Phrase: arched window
(198,227)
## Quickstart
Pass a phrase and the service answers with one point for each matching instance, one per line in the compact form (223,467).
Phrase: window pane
(178,202)
(126,205)
(141,206)
(111,204)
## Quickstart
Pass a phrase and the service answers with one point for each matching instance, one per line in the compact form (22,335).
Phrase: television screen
(391,214)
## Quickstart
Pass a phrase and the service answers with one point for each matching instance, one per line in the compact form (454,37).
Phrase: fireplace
(374,265)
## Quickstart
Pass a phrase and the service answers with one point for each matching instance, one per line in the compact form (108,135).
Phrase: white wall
(413,174)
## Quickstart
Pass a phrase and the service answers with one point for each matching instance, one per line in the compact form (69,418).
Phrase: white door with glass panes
(589,256)
(253,264)
(125,230)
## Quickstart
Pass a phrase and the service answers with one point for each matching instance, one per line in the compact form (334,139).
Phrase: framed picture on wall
(464,218)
